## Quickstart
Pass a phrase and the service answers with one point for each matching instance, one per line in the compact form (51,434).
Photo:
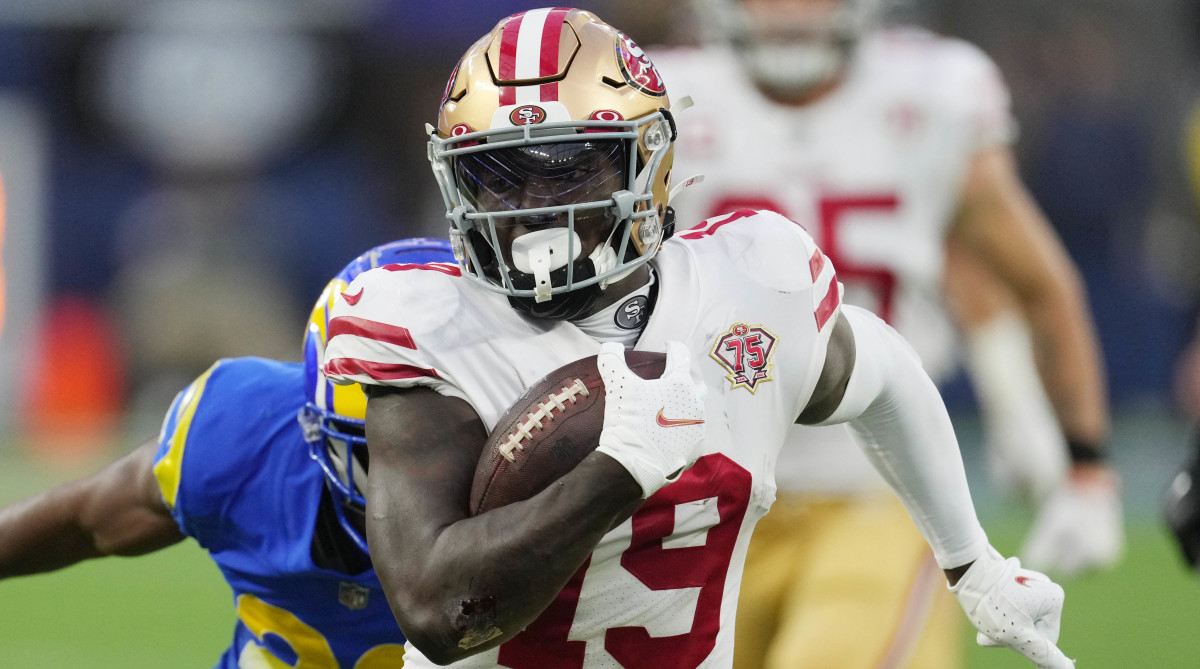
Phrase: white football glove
(654,428)
(1027,454)
(1026,459)
(1013,607)
(1079,528)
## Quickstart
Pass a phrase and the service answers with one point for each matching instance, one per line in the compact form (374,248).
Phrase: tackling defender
(261,463)
(553,151)
(896,145)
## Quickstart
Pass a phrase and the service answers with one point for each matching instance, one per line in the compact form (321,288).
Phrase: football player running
(553,150)
(261,462)
(894,147)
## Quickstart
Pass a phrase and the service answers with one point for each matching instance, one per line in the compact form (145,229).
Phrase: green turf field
(172,609)
(1143,615)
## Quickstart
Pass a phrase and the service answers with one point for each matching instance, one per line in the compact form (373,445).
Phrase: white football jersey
(757,324)
(877,166)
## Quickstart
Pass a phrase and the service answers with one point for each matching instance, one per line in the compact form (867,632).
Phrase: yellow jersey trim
(169,469)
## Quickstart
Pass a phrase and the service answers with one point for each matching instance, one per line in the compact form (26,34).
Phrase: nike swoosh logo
(353,299)
(1024,580)
(663,421)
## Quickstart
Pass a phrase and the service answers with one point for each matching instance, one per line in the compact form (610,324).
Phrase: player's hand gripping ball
(548,431)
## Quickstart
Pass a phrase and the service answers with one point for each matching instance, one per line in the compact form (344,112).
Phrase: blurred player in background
(553,151)
(897,144)
(1183,496)
(260,462)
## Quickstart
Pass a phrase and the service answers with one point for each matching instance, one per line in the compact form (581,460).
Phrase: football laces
(545,412)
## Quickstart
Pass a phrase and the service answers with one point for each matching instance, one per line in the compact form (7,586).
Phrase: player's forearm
(482,580)
(1069,360)
(460,584)
(43,533)
(893,405)
(116,511)
(1003,226)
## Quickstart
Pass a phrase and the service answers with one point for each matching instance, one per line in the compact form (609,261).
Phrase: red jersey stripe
(816,263)
(373,330)
(697,233)
(828,305)
(380,371)
(443,267)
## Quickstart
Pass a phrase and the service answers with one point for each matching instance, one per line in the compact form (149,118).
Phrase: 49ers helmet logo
(639,72)
(527,115)
(745,353)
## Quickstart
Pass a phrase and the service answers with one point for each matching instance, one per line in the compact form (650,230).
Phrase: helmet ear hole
(484,252)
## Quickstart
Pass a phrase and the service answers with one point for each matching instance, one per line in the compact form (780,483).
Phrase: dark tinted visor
(542,175)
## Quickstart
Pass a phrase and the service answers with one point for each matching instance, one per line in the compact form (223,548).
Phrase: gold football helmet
(553,153)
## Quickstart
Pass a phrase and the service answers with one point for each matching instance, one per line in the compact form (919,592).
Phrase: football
(548,431)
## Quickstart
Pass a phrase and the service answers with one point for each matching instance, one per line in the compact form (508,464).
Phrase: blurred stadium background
(182,176)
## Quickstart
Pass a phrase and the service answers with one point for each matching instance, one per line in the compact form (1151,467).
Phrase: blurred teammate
(261,463)
(895,144)
(553,151)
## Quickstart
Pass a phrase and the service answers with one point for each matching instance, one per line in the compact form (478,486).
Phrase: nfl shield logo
(745,353)
(353,596)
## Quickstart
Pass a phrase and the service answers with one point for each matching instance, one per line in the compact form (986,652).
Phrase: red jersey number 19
(546,642)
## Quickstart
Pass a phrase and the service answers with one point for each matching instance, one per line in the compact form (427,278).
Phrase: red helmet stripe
(529,49)
(551,39)
(508,58)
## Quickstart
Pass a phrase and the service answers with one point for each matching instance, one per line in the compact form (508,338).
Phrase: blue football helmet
(334,417)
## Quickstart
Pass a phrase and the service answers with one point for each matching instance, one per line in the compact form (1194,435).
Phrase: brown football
(548,431)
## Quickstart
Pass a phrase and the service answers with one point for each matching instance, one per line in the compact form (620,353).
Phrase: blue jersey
(234,469)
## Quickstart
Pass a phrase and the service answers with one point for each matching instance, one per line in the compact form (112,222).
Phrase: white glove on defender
(654,428)
(1013,607)
(1078,528)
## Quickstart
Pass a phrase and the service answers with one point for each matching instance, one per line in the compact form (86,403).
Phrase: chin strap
(604,258)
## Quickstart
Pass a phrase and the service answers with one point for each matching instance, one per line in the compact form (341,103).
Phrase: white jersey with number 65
(874,170)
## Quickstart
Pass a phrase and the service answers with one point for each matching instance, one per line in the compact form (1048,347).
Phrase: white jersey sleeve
(377,322)
(977,89)
(768,250)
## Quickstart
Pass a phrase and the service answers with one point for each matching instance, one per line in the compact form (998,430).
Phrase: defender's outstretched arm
(116,511)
